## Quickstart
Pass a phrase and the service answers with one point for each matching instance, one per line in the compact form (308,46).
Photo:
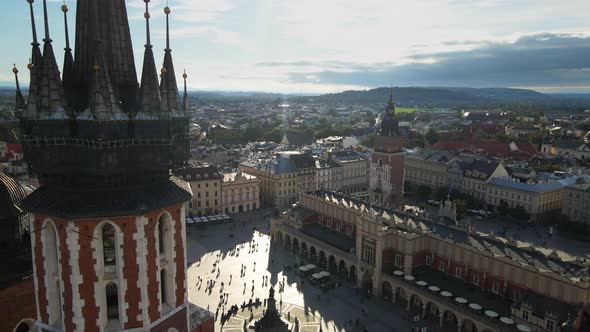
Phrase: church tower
(108,235)
(387,161)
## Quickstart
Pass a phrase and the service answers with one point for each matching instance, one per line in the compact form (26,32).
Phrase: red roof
(16,148)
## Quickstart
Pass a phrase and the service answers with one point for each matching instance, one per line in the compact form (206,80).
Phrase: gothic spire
(51,96)
(170,76)
(390,105)
(185,96)
(20,100)
(164,91)
(149,97)
(68,68)
(34,65)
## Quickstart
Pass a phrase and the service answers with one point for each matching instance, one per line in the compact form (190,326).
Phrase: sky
(320,46)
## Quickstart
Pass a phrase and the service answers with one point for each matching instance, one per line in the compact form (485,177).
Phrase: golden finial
(14,70)
(163,71)
(166,10)
(30,65)
(64,8)
(184,75)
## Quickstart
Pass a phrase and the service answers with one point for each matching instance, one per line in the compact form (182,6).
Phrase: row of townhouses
(493,185)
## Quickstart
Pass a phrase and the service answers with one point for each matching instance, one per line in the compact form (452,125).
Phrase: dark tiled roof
(543,305)
(298,139)
(104,204)
(302,161)
(11,194)
(329,236)
(198,173)
(481,169)
(409,223)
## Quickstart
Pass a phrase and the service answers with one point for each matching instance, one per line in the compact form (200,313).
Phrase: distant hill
(456,97)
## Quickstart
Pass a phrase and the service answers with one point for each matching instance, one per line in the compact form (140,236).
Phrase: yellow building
(240,192)
(205,183)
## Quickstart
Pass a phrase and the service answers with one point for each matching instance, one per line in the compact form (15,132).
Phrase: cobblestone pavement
(214,259)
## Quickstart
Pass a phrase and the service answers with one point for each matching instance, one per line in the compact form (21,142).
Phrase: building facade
(425,266)
(576,202)
(428,170)
(387,175)
(477,175)
(206,185)
(108,237)
(240,192)
(354,170)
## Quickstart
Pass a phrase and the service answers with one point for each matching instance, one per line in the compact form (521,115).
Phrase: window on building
(398,260)
(163,293)
(198,195)
(496,287)
(207,194)
(525,315)
(476,279)
(108,245)
(161,236)
(458,272)
(441,266)
(112,296)
(550,325)
(368,251)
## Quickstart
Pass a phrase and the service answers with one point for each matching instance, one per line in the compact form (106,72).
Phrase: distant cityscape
(128,205)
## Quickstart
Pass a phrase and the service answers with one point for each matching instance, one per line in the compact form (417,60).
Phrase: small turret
(185,96)
(20,105)
(389,124)
(68,67)
(51,100)
(149,97)
(172,98)
(34,65)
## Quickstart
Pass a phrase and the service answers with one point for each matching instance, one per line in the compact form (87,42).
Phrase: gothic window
(52,271)
(161,236)
(112,296)
(368,251)
(108,245)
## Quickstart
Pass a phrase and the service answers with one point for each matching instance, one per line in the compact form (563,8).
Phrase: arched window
(112,295)
(161,235)
(380,162)
(108,245)
(52,271)
(163,293)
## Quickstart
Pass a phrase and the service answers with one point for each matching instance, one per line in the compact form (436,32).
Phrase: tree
(368,141)
(461,206)
(432,136)
(423,192)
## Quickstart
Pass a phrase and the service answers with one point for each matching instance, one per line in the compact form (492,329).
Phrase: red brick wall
(66,273)
(86,289)
(40,269)
(177,321)
(17,302)
(179,261)
(207,326)
(152,267)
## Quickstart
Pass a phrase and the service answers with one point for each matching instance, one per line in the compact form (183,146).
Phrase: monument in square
(271,321)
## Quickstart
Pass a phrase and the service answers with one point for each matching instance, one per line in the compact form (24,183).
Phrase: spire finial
(185,97)
(167,12)
(147,23)
(15,71)
(64,8)
(33,22)
(45,16)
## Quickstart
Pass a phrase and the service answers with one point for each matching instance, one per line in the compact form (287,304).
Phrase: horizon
(310,48)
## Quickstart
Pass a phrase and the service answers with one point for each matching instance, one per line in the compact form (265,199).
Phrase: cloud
(547,60)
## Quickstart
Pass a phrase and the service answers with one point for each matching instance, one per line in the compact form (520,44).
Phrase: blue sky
(334,45)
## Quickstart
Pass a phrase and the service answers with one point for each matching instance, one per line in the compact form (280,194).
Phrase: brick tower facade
(386,181)
(108,235)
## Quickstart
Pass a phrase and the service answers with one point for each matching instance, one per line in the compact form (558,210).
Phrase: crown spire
(35,42)
(68,67)
(46,20)
(34,65)
(20,100)
(185,96)
(171,86)
(149,96)
(51,95)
